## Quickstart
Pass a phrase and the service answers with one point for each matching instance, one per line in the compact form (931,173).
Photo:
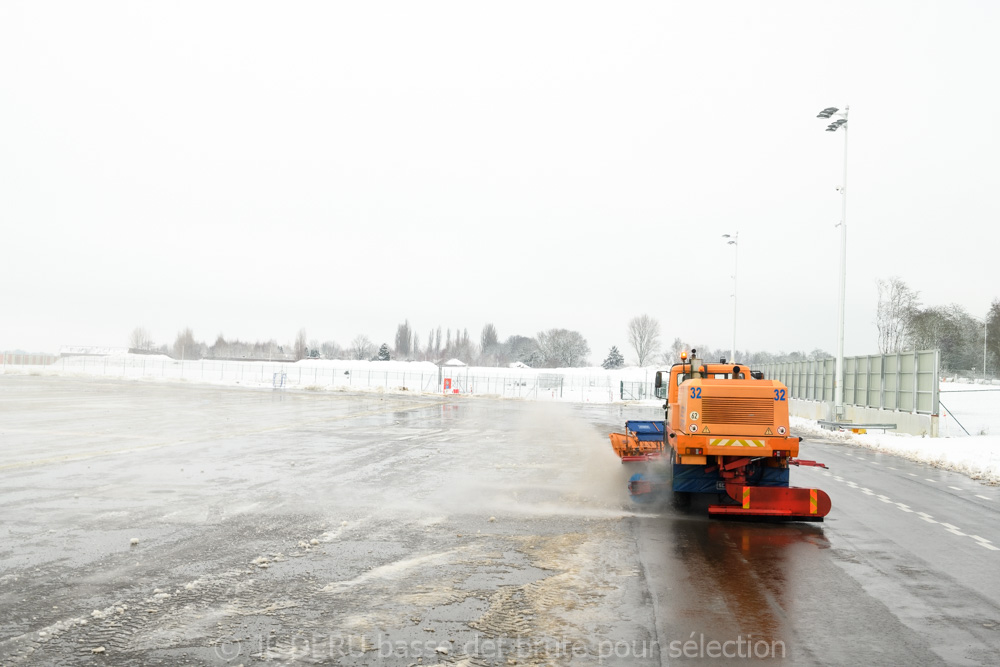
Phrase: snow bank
(411,367)
(976,408)
(976,456)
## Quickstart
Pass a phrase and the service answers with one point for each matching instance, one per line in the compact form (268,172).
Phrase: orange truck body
(726,431)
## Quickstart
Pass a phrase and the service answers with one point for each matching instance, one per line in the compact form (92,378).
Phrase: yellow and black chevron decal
(742,442)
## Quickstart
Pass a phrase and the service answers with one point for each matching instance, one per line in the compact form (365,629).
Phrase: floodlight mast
(838,383)
(734,241)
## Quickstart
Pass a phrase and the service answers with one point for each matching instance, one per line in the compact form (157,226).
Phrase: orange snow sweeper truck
(725,433)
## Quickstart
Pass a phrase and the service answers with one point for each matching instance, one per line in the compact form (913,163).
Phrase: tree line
(903,323)
(643,334)
(554,348)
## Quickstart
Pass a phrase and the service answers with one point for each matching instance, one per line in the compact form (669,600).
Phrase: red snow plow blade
(787,502)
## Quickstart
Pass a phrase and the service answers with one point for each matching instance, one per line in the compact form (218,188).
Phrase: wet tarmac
(172,524)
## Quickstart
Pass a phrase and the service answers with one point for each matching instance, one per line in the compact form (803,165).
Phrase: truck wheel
(682,499)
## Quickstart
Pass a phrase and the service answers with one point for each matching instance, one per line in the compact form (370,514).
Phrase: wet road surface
(360,529)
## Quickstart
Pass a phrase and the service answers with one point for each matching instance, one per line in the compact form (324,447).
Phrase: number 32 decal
(779,394)
(695,392)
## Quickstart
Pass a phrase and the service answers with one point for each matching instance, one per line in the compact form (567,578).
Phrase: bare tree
(140,339)
(562,348)
(221,349)
(956,334)
(489,345)
(488,339)
(462,347)
(185,346)
(330,349)
(361,347)
(644,336)
(301,348)
(404,340)
(896,305)
(673,355)
(523,349)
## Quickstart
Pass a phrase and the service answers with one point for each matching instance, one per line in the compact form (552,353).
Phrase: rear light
(778,453)
(694,450)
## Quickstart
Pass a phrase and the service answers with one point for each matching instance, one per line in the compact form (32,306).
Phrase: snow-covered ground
(976,407)
(970,408)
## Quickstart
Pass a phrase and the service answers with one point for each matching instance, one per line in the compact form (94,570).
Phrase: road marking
(983,542)
(955,488)
(911,474)
(954,530)
(983,497)
(951,528)
(891,468)
(875,463)
(930,480)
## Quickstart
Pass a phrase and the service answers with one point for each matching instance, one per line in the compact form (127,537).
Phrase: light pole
(734,241)
(838,384)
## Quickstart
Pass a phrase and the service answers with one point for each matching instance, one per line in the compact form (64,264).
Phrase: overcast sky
(253,168)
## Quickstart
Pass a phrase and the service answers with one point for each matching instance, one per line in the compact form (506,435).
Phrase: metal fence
(636,391)
(907,381)
(904,381)
(422,378)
